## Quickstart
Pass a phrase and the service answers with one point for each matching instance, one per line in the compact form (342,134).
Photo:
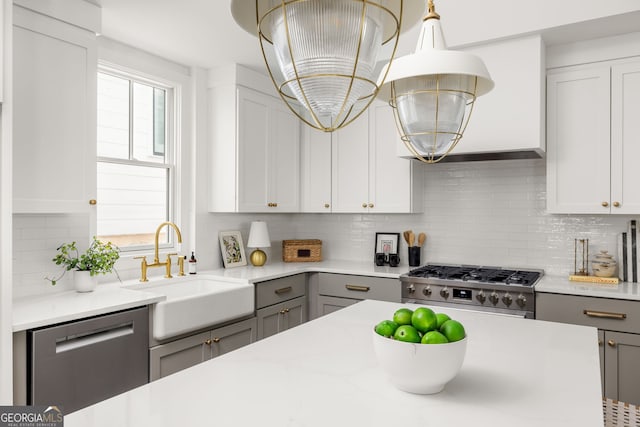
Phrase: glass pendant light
(433,92)
(322,54)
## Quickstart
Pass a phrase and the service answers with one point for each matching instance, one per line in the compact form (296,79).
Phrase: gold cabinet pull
(326,205)
(611,343)
(282,311)
(93,201)
(283,290)
(605,315)
(357,288)
(370,205)
(599,343)
(605,204)
(216,340)
(364,205)
(208,342)
(616,204)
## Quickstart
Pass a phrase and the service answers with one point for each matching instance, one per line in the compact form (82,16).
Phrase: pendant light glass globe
(322,54)
(433,92)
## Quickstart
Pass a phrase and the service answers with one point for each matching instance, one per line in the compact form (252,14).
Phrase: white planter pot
(84,282)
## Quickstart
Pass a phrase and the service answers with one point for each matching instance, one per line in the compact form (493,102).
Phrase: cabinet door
(316,170)
(622,367)
(253,151)
(390,176)
(232,337)
(284,162)
(625,138)
(350,167)
(175,356)
(601,355)
(295,312)
(270,320)
(54,115)
(578,141)
(328,305)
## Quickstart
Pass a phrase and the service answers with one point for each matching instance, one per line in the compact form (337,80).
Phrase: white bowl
(419,368)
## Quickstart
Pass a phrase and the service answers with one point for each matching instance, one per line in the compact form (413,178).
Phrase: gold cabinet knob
(326,205)
(282,311)
(275,205)
(364,205)
(616,204)
(370,205)
(605,204)
(93,202)
(599,343)
(611,343)
(208,342)
(216,340)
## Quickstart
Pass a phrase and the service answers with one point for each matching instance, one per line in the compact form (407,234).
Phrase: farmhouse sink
(196,302)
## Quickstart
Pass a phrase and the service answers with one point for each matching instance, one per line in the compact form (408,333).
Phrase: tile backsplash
(489,213)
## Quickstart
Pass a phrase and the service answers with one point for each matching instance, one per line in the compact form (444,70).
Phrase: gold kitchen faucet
(156,260)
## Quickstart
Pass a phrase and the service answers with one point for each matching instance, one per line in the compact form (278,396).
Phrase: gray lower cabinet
(618,323)
(328,305)
(280,304)
(280,317)
(336,291)
(166,359)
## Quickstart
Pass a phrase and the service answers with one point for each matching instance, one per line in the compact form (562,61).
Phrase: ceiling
(192,32)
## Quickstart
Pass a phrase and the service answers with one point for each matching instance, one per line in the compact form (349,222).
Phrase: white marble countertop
(517,372)
(42,310)
(281,269)
(562,285)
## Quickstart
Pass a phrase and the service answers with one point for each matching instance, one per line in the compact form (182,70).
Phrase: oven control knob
(507,300)
(494,298)
(521,300)
(444,293)
(481,297)
(427,291)
(411,289)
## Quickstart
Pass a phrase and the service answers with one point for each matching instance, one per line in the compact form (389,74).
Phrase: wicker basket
(619,414)
(302,250)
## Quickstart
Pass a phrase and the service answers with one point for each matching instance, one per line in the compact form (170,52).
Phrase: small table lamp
(258,238)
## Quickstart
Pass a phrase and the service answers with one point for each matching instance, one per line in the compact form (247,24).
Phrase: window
(136,165)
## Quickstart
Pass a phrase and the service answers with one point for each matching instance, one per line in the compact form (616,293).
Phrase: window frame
(171,143)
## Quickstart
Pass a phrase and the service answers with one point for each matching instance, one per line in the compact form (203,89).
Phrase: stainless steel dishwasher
(79,363)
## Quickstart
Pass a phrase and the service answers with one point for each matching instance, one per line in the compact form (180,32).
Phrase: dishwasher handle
(86,339)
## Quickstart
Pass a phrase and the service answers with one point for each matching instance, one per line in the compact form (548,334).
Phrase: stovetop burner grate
(477,274)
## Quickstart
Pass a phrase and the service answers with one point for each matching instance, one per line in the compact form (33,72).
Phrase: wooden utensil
(412,238)
(406,235)
(421,239)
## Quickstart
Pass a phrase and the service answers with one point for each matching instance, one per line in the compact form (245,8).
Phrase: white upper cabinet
(625,138)
(510,118)
(592,138)
(54,118)
(316,170)
(254,150)
(356,170)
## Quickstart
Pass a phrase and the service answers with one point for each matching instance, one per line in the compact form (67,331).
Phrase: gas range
(493,289)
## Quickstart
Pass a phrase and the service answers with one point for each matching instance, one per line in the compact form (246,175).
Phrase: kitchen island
(517,372)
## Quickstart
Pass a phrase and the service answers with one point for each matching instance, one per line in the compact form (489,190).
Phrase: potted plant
(99,258)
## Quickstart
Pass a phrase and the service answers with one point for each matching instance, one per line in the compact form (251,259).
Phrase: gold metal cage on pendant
(409,137)
(325,90)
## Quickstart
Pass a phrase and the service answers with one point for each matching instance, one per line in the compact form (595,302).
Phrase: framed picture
(387,244)
(232,249)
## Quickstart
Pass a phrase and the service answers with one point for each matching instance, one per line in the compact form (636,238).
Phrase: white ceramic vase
(84,282)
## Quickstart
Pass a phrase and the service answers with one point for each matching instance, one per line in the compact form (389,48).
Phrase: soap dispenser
(192,264)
